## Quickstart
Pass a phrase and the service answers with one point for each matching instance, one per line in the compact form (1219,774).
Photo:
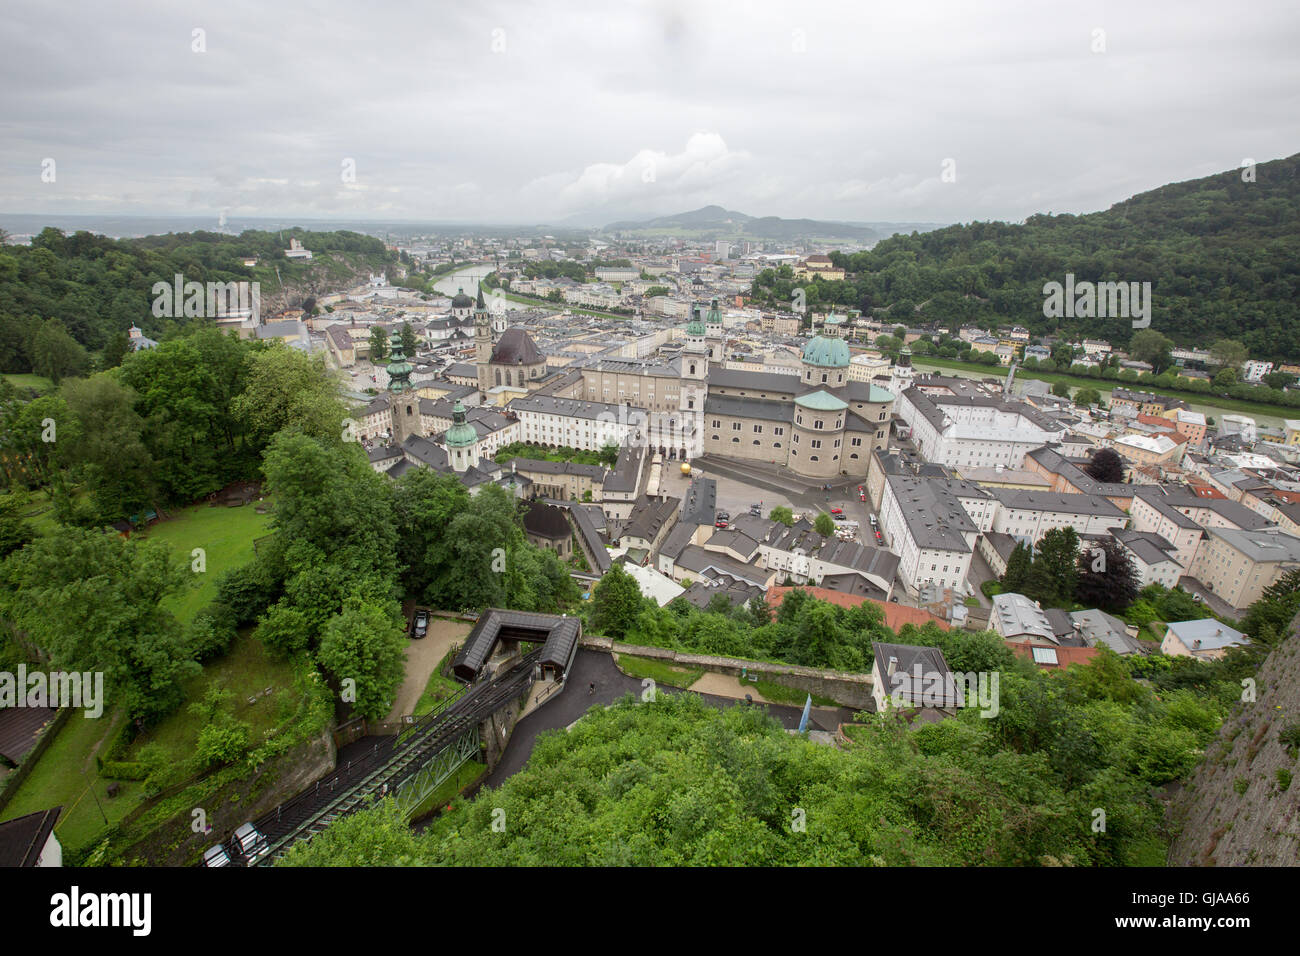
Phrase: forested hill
(94,288)
(1222,255)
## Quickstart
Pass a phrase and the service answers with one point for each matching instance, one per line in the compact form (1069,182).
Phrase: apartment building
(927,525)
(1238,565)
(1028,515)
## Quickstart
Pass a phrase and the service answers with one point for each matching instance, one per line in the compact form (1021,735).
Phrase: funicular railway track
(392,766)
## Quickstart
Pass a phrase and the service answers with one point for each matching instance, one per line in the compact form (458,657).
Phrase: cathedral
(504,356)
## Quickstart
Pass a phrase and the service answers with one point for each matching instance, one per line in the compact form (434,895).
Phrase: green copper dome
(398,368)
(827,352)
(461,434)
(696,327)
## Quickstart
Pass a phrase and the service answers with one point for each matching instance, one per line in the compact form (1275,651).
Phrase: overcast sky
(534,112)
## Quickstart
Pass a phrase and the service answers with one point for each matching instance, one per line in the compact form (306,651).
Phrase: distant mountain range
(717,222)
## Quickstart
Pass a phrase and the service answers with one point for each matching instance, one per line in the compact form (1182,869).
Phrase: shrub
(123,770)
(246,591)
(220,743)
(212,631)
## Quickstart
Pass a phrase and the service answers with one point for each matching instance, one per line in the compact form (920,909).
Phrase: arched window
(498,376)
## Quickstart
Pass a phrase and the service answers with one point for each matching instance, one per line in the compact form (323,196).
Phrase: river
(468,279)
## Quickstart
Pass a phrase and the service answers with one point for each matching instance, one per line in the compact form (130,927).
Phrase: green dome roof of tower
(827,352)
(696,327)
(398,368)
(461,434)
(460,300)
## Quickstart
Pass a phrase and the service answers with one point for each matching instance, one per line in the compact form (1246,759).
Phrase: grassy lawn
(658,671)
(226,536)
(65,771)
(540,453)
(29,380)
(63,777)
(246,671)
(38,511)
(780,694)
(439,687)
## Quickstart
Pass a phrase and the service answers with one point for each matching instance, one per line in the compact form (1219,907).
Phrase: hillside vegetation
(1222,256)
(64,297)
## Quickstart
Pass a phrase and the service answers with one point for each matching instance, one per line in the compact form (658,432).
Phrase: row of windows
(775,444)
(758,429)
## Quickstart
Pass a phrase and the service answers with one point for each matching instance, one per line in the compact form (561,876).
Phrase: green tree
(1155,348)
(1225,378)
(1061,389)
(379,343)
(782,514)
(408,339)
(1107,578)
(287,388)
(56,354)
(1228,353)
(824,525)
(378,835)
(1087,397)
(14,531)
(1106,466)
(615,603)
(365,644)
(94,601)
(1055,568)
(1016,576)
(109,447)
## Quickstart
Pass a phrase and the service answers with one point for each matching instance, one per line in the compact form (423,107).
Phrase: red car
(862,495)
(837,511)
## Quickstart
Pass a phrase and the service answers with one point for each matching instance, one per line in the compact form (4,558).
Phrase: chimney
(893,664)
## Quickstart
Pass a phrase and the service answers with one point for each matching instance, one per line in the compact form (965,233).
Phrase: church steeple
(399,369)
(403,402)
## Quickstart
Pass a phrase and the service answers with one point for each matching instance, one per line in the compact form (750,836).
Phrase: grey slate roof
(935,518)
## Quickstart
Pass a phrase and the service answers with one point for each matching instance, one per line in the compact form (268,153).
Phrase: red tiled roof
(1065,656)
(896,615)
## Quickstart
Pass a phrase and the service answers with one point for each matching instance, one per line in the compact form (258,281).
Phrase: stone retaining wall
(846,689)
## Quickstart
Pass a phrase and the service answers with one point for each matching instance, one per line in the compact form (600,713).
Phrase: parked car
(837,511)
(862,493)
(839,516)
(756,510)
(216,856)
(723,520)
(873,521)
(250,843)
(421,627)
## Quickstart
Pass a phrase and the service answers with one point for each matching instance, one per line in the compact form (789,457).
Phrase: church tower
(713,331)
(482,343)
(902,376)
(403,401)
(462,441)
(695,366)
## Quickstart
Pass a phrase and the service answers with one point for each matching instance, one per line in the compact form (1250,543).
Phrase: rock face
(1241,807)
